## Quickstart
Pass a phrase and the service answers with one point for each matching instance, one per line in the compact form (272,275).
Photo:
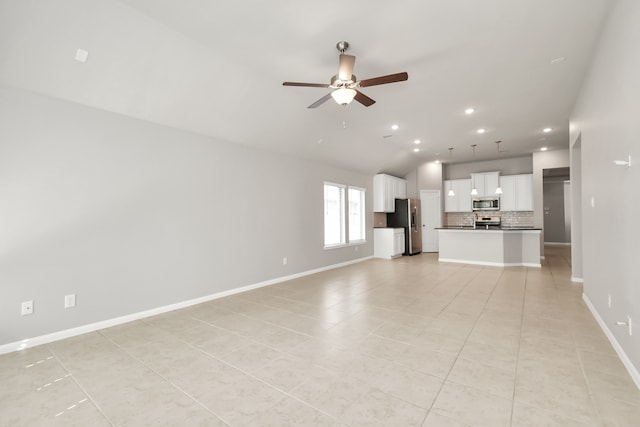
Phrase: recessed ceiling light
(470,111)
(547,130)
(543,148)
(415,150)
(394,127)
(417,141)
(481,130)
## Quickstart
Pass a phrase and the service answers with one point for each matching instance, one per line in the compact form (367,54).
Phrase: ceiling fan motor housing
(336,83)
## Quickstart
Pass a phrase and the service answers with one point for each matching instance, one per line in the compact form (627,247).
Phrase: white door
(431,219)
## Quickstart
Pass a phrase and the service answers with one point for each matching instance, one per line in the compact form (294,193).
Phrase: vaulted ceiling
(216,68)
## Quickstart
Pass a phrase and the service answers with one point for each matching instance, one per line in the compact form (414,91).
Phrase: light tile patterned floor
(408,342)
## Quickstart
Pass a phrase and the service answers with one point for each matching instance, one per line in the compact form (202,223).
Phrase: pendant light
(499,189)
(450,193)
(474,192)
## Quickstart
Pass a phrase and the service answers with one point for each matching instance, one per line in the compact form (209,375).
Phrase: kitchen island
(493,246)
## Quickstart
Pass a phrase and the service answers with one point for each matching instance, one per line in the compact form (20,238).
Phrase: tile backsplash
(457,219)
(379,219)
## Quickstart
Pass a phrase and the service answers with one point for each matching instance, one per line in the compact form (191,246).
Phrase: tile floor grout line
(587,383)
(80,386)
(515,378)
(177,387)
(250,375)
(465,340)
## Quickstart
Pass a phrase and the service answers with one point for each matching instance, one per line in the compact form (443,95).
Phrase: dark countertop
(491,227)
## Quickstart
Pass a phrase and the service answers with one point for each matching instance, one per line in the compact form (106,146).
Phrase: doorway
(556,189)
(431,207)
(576,210)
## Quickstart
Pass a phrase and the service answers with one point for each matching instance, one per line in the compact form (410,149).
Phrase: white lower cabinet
(388,242)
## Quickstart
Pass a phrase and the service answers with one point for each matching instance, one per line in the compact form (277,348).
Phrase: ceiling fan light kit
(343,96)
(346,84)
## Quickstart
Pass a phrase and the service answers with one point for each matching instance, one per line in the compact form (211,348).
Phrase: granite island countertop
(491,227)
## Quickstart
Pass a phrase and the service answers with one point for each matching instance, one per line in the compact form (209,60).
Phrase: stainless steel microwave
(486,204)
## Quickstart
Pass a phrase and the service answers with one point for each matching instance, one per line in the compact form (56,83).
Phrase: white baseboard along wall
(68,333)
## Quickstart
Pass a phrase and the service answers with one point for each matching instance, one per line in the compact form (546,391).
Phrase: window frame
(345,212)
(363,222)
(342,222)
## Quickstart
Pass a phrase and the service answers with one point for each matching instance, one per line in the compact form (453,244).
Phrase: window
(356,215)
(341,215)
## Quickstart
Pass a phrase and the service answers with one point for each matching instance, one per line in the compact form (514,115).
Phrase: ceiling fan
(345,84)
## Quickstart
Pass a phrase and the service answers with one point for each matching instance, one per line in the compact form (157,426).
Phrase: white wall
(131,216)
(544,160)
(567,211)
(605,126)
(512,166)
(427,176)
(576,211)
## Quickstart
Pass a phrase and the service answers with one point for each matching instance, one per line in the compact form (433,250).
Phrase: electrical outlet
(27,308)
(69,300)
(609,301)
(284,261)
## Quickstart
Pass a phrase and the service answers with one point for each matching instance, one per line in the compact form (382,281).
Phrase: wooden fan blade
(345,71)
(363,99)
(305,84)
(320,101)
(391,78)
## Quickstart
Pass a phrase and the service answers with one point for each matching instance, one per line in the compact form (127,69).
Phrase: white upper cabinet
(524,192)
(508,196)
(517,192)
(461,201)
(486,183)
(386,189)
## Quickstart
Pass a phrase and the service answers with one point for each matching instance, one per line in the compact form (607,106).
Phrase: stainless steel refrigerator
(407,216)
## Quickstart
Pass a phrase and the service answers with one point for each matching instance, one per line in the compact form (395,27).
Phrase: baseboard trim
(92,327)
(635,375)
(577,279)
(489,264)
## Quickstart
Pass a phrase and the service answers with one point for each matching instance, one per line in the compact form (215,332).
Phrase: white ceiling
(217,68)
